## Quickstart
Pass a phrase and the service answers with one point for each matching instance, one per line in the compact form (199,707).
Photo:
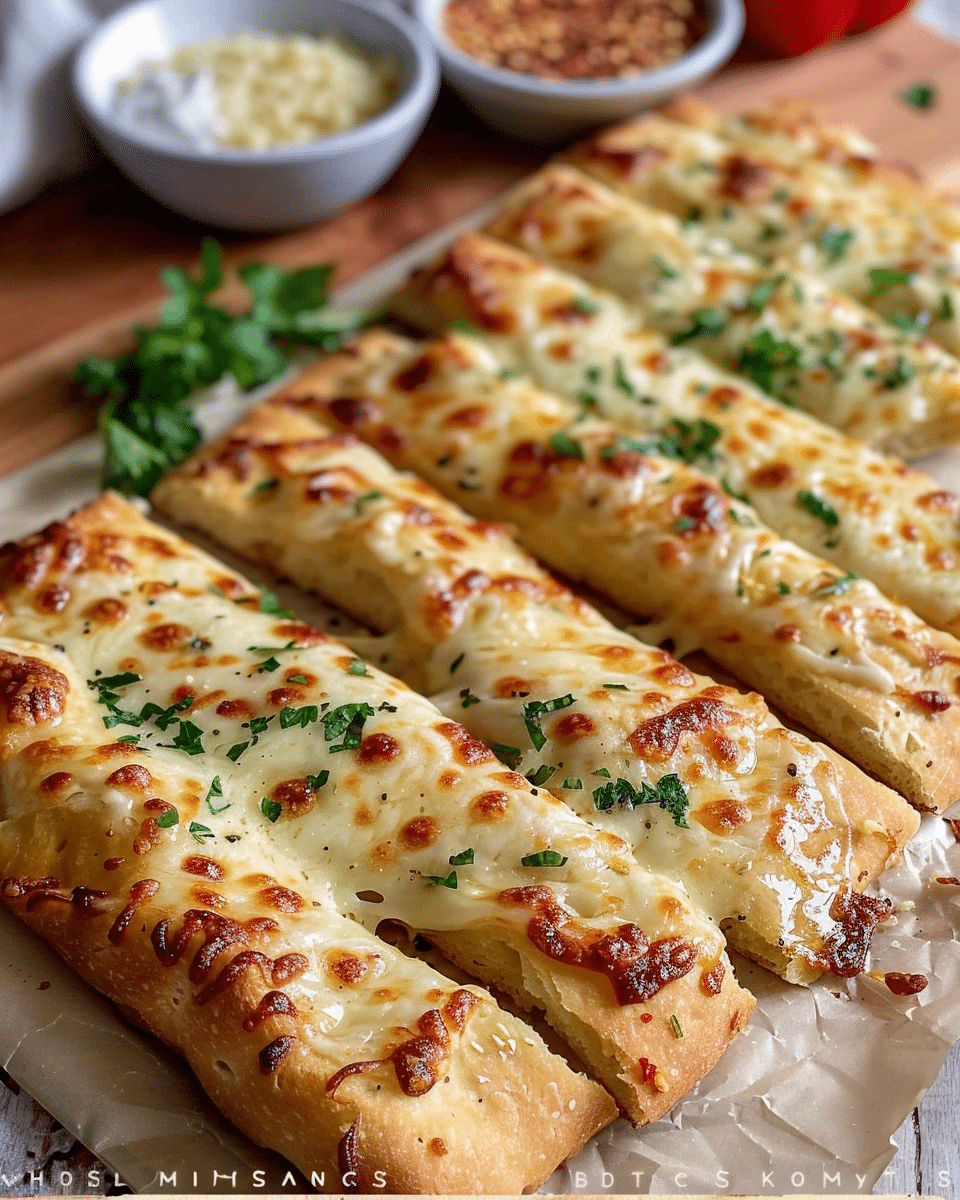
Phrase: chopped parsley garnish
(467,698)
(770,232)
(573,783)
(921,95)
(684,524)
(463,859)
(564,444)
(200,832)
(544,858)
(760,296)
(616,687)
(235,751)
(508,373)
(510,756)
(168,818)
(675,1027)
(347,722)
(709,322)
(896,376)
(784,588)
(666,271)
(533,711)
(540,776)
(270,809)
(458,661)
(130,739)
(694,439)
(834,242)
(668,792)
(304,716)
(819,508)
(365,499)
(268,664)
(585,306)
(357,667)
(882,279)
(105,687)
(621,379)
(946,307)
(215,792)
(462,326)
(189,739)
(270,604)
(297,679)
(762,355)
(838,587)
(144,417)
(447,881)
(265,485)
(601,771)
(588,401)
(316,782)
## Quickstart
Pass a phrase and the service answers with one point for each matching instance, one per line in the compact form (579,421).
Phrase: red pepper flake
(952,879)
(43,986)
(648,1071)
(954,827)
(905,985)
(646,1018)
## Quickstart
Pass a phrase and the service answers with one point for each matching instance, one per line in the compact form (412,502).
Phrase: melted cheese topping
(156,886)
(811,346)
(820,200)
(896,526)
(662,540)
(342,769)
(627,713)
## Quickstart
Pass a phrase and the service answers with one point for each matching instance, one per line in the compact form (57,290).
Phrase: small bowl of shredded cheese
(252,115)
(548,70)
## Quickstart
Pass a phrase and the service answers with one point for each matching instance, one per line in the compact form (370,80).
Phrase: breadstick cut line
(665,542)
(527,649)
(897,526)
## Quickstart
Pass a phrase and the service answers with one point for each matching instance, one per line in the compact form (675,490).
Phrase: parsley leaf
(467,698)
(189,738)
(834,242)
(215,793)
(882,279)
(566,446)
(270,809)
(510,756)
(762,355)
(544,858)
(270,604)
(668,792)
(533,711)
(357,667)
(819,508)
(463,859)
(921,95)
(144,416)
(346,721)
(298,716)
(540,776)
(760,296)
(709,322)
(447,881)
(573,783)
(316,782)
(200,832)
(168,818)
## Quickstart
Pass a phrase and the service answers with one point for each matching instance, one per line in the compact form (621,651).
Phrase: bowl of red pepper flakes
(548,70)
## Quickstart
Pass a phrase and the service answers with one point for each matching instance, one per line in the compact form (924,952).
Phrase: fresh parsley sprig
(144,416)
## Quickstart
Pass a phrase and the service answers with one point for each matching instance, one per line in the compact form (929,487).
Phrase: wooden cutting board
(79,267)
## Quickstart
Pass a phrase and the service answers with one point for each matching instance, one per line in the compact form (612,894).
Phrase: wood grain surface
(80,265)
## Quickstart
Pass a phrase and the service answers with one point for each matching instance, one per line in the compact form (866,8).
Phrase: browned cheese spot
(490,806)
(166,637)
(419,833)
(56,782)
(772,475)
(295,796)
(721,817)
(658,737)
(132,776)
(572,727)
(108,611)
(467,750)
(378,749)
(32,691)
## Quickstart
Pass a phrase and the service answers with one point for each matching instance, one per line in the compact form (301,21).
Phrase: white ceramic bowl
(549,111)
(250,190)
